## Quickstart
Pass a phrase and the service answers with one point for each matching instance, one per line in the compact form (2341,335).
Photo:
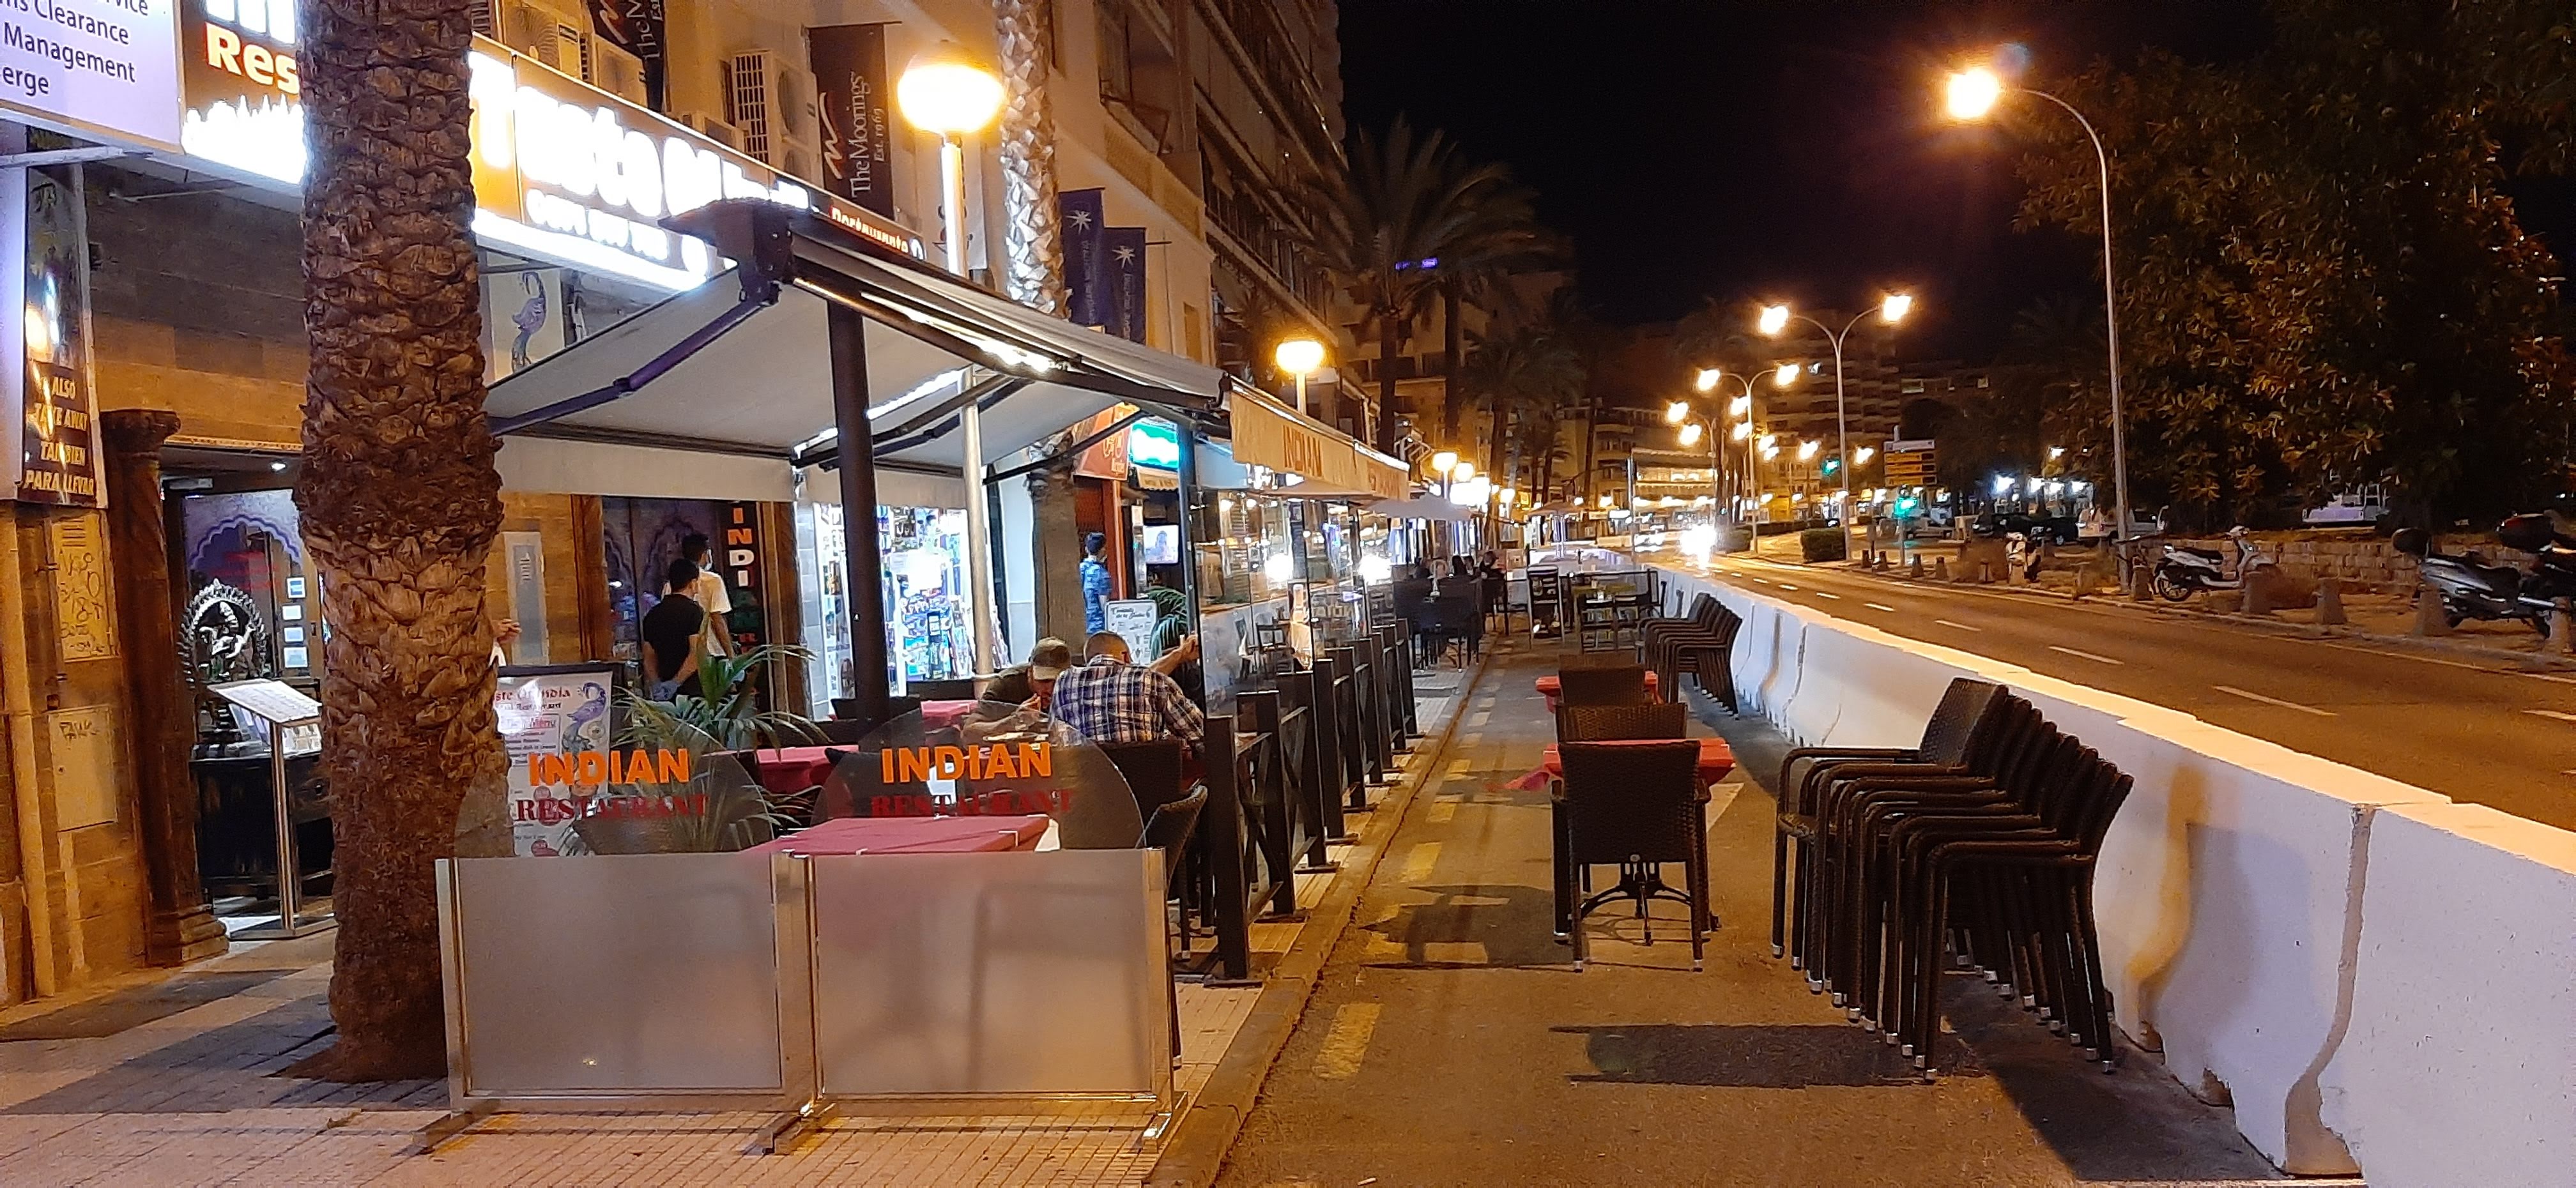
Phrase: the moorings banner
(856,107)
(1083,220)
(1122,252)
(635,26)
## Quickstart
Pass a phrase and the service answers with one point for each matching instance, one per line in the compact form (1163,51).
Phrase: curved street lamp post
(1892,309)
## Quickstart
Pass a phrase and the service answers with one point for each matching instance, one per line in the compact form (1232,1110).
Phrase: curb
(2534,661)
(1206,1133)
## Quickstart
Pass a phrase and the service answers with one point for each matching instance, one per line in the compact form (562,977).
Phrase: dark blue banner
(1084,221)
(1122,264)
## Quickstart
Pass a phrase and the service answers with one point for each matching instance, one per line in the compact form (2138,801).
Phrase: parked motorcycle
(2473,587)
(2184,571)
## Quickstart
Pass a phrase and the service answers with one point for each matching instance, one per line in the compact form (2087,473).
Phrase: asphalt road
(2485,731)
(1451,1043)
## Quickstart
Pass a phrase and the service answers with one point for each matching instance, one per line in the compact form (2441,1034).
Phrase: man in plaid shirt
(1108,699)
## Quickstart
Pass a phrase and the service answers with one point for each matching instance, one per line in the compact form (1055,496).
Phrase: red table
(940,715)
(1715,761)
(912,835)
(790,770)
(1552,688)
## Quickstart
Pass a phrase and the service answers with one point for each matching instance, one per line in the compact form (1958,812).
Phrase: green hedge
(1821,544)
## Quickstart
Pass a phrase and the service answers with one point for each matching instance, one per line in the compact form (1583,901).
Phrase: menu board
(1132,619)
(553,712)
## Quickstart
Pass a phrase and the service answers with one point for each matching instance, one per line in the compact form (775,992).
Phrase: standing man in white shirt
(708,591)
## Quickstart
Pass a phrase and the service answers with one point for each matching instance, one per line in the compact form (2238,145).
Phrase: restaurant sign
(103,68)
(563,171)
(1330,465)
(51,398)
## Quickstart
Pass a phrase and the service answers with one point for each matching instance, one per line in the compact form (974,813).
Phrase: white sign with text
(109,67)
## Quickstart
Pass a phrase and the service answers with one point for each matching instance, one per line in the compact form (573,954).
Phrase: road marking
(2253,696)
(1457,768)
(2086,655)
(2561,715)
(1764,581)
(1787,586)
(1346,1042)
(1822,594)
(2542,676)
(1418,861)
(1477,720)
(1472,737)
(1443,811)
(1880,606)
(1960,626)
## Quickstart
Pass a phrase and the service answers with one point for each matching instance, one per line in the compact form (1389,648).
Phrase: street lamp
(1299,357)
(947,92)
(1972,94)
(1892,309)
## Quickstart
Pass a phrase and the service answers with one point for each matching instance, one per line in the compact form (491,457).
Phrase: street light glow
(1807,449)
(1466,470)
(2055,452)
(1893,309)
(1707,378)
(1444,461)
(1740,407)
(1785,375)
(1674,412)
(1299,356)
(1775,318)
(947,91)
(1743,429)
(1690,434)
(1861,456)
(1972,93)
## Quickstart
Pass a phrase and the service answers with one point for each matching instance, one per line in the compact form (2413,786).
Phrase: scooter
(2184,571)
(2471,588)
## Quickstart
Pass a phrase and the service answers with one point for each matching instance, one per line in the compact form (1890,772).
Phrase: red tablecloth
(940,715)
(790,770)
(1715,760)
(1552,688)
(912,835)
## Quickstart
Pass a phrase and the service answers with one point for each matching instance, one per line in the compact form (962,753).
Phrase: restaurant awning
(721,391)
(1329,464)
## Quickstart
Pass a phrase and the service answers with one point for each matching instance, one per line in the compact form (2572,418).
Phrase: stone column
(161,724)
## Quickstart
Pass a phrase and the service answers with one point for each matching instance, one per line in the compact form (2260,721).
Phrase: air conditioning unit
(773,103)
(617,72)
(555,37)
(713,129)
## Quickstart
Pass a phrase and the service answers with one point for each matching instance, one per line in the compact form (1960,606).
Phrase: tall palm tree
(1033,272)
(1409,213)
(399,502)
(1525,375)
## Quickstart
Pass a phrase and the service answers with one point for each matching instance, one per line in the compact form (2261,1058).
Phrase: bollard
(1914,567)
(2429,616)
(1940,569)
(2254,594)
(2142,582)
(2330,602)
(2562,629)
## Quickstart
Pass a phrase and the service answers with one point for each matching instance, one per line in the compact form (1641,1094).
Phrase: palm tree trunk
(1034,270)
(1390,339)
(399,503)
(1453,397)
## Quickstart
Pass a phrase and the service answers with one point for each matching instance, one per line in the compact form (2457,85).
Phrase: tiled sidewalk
(191,1095)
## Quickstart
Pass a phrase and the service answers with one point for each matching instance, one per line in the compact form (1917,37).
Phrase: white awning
(713,372)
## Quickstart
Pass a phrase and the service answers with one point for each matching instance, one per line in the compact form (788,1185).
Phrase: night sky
(1696,150)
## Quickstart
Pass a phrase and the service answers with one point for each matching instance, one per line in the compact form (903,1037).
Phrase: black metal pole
(1188,503)
(848,329)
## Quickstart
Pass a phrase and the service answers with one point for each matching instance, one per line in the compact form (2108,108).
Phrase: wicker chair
(1636,805)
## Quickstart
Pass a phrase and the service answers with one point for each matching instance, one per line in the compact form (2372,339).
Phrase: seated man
(1031,682)
(1109,699)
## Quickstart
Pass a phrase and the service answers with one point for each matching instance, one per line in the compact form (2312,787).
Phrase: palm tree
(1034,271)
(1409,214)
(1527,376)
(399,503)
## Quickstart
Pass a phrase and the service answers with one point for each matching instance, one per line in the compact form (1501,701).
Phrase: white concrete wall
(2459,1062)
(2245,934)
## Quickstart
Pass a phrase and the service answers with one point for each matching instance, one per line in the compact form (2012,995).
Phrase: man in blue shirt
(1095,583)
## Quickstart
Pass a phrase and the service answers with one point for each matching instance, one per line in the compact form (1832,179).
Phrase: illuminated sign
(993,761)
(106,67)
(595,768)
(1154,444)
(562,170)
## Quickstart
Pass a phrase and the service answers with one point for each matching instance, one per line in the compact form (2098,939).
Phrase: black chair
(946,689)
(1701,644)
(1461,621)
(1169,829)
(1603,686)
(1156,772)
(1608,723)
(1636,805)
(1942,751)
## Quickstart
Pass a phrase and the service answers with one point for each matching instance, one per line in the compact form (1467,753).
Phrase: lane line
(1786,586)
(1443,811)
(1822,594)
(2249,695)
(2086,655)
(1418,861)
(1960,626)
(1346,1042)
(1477,720)
(2561,715)
(2542,676)
(1880,606)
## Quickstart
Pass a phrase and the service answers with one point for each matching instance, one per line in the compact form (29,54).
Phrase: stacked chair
(1981,843)
(1698,643)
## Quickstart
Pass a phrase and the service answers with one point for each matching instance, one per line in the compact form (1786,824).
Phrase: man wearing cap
(1032,682)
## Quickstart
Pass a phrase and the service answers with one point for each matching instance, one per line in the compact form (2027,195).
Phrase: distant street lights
(1970,95)
(1892,309)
